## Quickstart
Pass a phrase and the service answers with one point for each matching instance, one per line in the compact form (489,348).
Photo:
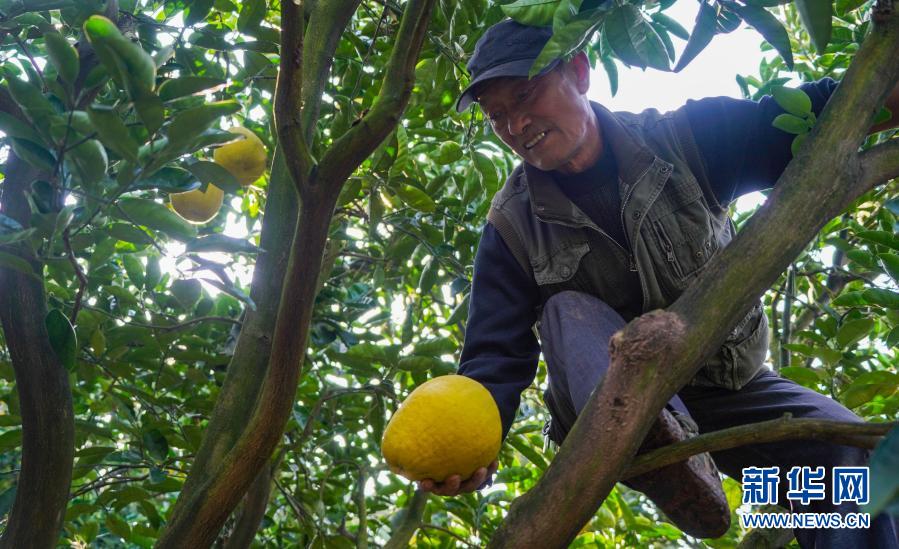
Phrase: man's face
(547,121)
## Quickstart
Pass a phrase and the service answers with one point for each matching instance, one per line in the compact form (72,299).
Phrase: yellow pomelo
(197,206)
(447,426)
(246,158)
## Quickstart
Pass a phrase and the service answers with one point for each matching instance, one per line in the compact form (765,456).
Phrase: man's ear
(580,66)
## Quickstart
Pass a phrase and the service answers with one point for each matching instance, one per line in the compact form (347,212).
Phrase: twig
(785,428)
(79,272)
(446,531)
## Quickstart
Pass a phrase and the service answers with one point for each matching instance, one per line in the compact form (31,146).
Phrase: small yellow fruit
(449,425)
(246,159)
(197,206)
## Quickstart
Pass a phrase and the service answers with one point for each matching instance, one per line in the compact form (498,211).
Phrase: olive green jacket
(672,223)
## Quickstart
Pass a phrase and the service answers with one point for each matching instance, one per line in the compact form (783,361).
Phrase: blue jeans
(575,329)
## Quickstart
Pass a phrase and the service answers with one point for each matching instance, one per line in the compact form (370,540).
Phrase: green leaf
(884,238)
(187,125)
(673,26)
(233,291)
(418,364)
(633,40)
(63,56)
(774,32)
(869,385)
(487,170)
(884,298)
(168,180)
(853,331)
(460,313)
(535,13)
(156,444)
(449,152)
(883,115)
(524,446)
(792,100)
(568,39)
(212,173)
(129,233)
(187,291)
(13,127)
(797,143)
(10,440)
(36,107)
(435,346)
(198,11)
(428,276)
(608,64)
(221,243)
(704,30)
(884,468)
(87,162)
(127,61)
(12,231)
(415,198)
(187,85)
(801,375)
(252,12)
(134,268)
(118,526)
(155,216)
(791,124)
(113,132)
(16,263)
(890,263)
(816,17)
(150,110)
(62,338)
(843,7)
(850,299)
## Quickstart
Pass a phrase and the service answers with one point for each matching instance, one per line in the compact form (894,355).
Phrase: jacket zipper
(633,253)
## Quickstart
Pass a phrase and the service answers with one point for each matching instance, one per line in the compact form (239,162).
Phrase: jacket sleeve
(742,150)
(500,349)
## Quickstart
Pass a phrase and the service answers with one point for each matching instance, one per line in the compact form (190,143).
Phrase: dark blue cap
(508,48)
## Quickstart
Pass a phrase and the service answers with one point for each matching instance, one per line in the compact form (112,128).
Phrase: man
(611,215)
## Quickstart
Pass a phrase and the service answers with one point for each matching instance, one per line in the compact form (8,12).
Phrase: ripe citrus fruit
(246,159)
(197,206)
(447,426)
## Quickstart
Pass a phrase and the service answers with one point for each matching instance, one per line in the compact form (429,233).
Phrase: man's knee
(570,305)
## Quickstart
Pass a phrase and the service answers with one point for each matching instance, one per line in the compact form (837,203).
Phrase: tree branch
(350,149)
(865,435)
(879,164)
(658,353)
(326,24)
(289,96)
(408,520)
(42,384)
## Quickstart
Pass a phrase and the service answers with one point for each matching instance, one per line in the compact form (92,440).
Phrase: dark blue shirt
(742,153)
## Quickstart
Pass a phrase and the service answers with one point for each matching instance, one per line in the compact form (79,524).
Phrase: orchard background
(145,360)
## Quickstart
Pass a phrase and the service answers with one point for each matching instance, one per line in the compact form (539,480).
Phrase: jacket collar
(632,156)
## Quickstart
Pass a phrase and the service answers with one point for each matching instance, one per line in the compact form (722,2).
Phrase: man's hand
(454,485)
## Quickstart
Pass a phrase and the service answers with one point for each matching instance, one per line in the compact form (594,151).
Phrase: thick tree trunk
(253,511)
(45,399)
(658,353)
(237,398)
(204,513)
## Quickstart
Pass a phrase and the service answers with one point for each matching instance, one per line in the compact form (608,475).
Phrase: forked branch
(354,146)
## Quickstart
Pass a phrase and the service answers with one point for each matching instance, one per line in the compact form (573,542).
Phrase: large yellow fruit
(197,206)
(448,426)
(246,159)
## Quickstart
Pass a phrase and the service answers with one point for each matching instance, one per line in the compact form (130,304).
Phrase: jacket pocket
(560,265)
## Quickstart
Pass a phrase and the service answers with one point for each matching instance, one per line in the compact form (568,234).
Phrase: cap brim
(519,68)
